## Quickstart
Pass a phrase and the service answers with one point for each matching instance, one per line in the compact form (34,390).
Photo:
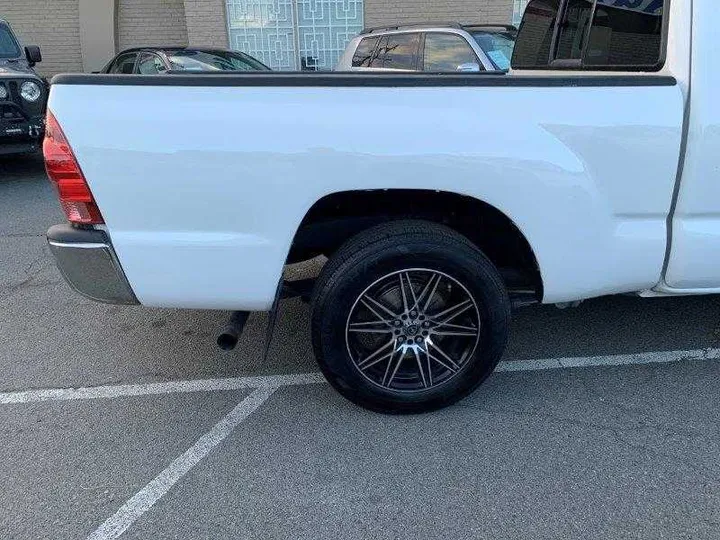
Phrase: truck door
(694,261)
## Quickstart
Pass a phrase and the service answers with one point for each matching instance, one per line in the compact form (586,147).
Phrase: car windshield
(497,45)
(9,48)
(188,60)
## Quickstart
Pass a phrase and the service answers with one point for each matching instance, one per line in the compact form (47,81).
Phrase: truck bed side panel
(203,188)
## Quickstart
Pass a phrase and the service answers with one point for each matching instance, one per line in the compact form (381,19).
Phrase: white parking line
(144,499)
(174,387)
(659,357)
(276,381)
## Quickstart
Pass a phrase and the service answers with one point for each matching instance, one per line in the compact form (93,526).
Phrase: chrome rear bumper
(88,263)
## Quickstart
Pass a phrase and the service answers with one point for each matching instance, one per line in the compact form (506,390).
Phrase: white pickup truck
(440,200)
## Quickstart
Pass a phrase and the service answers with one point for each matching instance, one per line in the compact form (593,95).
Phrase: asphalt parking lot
(117,421)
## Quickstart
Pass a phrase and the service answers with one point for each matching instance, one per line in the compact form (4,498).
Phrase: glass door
(290,35)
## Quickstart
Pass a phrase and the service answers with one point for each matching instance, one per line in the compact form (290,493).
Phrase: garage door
(294,34)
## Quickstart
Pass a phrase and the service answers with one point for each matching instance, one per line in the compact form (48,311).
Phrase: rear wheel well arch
(338,216)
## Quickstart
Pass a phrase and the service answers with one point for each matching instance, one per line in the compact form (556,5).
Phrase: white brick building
(81,35)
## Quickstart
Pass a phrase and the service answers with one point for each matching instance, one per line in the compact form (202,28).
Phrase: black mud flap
(272,319)
(296,289)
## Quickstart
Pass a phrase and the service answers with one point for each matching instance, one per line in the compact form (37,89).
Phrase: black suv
(23,95)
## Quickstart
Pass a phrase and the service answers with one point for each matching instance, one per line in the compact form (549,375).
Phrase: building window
(294,34)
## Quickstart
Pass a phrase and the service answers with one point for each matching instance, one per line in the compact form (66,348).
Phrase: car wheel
(409,317)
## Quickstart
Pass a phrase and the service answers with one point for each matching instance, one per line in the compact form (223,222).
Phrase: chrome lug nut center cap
(412,330)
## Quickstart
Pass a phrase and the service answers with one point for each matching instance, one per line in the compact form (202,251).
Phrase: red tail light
(64,171)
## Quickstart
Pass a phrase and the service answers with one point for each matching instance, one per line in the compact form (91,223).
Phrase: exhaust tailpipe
(230,335)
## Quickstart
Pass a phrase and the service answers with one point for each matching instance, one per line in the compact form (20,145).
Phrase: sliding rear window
(623,35)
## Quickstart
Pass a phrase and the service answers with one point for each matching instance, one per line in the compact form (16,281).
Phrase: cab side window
(591,34)
(625,37)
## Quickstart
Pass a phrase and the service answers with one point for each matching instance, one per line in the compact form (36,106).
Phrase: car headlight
(3,92)
(30,91)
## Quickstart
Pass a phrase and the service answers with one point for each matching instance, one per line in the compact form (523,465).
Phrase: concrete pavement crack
(26,283)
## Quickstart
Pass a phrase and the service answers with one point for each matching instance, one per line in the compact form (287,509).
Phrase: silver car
(431,47)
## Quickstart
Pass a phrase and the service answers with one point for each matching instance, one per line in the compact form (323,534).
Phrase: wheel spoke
(365,324)
(443,364)
(389,365)
(369,302)
(403,293)
(445,356)
(370,327)
(429,365)
(420,367)
(447,329)
(426,295)
(412,291)
(452,312)
(460,333)
(395,370)
(457,327)
(364,364)
(378,360)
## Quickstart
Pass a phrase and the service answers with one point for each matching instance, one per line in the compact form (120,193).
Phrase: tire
(396,265)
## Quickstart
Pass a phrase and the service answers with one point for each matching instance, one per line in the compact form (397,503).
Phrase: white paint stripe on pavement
(659,357)
(275,381)
(173,387)
(144,499)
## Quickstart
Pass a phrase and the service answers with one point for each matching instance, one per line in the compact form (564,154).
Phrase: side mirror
(33,55)
(469,67)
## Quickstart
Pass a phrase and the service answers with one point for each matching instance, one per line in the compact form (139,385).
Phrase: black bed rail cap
(364,79)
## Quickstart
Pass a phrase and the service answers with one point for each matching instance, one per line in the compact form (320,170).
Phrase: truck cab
(23,95)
